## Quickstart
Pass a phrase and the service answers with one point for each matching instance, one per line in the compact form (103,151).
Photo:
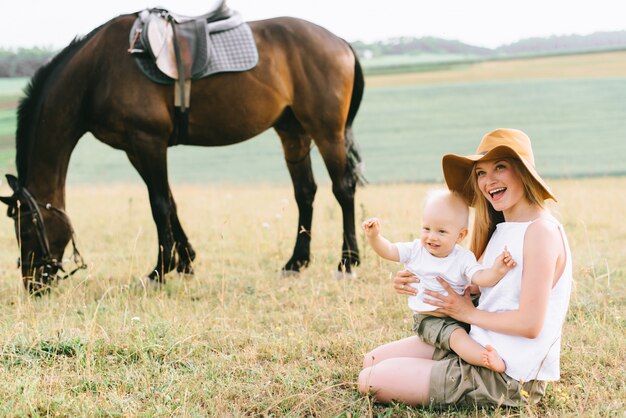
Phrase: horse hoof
(340,275)
(286,274)
(185,269)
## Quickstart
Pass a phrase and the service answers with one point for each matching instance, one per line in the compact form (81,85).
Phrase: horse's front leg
(296,147)
(150,160)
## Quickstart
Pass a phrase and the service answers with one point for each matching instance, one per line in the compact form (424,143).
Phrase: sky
(487,23)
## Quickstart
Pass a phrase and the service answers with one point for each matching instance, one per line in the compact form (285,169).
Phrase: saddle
(174,49)
(180,46)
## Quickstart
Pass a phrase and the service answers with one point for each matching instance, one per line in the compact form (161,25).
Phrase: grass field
(571,106)
(592,65)
(10,92)
(236,339)
(429,68)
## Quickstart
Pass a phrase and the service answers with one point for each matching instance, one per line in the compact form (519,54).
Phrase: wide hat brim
(457,171)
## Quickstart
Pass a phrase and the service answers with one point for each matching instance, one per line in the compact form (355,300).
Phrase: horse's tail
(355,163)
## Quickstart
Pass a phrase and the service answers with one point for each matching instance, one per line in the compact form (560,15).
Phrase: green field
(11,87)
(578,127)
(390,64)
(236,339)
(10,92)
(403,131)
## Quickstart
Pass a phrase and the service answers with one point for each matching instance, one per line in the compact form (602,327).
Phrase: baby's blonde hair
(452,200)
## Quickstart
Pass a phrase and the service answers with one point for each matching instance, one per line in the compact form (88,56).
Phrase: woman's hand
(454,305)
(401,283)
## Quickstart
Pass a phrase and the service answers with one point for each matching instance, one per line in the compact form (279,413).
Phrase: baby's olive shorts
(435,330)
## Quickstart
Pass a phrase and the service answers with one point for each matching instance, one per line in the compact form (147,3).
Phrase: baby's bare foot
(492,360)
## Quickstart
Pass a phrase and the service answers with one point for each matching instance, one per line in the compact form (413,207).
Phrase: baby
(437,253)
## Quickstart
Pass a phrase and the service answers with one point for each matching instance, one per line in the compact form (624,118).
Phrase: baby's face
(441,230)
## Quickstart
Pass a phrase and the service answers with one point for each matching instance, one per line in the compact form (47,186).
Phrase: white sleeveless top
(526,358)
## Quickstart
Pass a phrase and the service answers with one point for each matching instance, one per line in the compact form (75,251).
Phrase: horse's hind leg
(296,148)
(184,250)
(150,159)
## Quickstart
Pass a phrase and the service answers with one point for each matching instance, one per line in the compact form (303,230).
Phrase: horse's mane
(30,105)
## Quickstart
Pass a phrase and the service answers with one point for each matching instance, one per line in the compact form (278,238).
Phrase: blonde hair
(451,199)
(486,217)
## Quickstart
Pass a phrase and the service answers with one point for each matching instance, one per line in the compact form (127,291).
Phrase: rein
(50,264)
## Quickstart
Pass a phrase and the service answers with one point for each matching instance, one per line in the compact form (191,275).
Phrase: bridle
(33,213)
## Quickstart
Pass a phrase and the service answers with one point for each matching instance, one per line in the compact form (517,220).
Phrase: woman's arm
(543,248)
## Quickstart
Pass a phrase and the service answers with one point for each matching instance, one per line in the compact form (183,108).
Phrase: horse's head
(42,233)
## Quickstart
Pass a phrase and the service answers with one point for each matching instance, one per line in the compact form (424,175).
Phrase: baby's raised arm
(491,276)
(371,227)
(381,245)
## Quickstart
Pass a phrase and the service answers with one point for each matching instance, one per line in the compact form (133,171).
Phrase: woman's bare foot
(492,360)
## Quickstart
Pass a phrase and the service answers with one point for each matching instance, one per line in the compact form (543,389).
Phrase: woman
(521,317)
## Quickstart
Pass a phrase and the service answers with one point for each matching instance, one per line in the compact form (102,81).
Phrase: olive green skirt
(453,381)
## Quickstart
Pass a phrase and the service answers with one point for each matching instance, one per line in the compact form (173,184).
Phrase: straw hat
(501,143)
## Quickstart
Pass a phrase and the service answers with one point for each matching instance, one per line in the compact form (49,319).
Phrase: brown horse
(307,85)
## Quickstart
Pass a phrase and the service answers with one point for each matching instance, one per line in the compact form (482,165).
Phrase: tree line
(23,62)
(597,41)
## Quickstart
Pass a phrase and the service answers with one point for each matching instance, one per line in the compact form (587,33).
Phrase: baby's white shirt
(457,269)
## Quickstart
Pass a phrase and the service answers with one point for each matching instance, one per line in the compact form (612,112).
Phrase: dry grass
(597,65)
(236,339)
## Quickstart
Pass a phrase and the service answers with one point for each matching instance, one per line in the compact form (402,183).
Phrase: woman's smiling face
(499,182)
